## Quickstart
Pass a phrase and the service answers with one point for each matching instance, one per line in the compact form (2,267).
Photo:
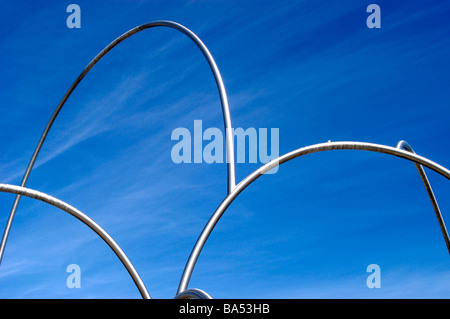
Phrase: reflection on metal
(426,182)
(193,293)
(403,150)
(223,98)
(13,189)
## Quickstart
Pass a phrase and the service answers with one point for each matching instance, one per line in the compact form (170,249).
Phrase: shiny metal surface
(223,98)
(404,145)
(193,293)
(87,221)
(187,273)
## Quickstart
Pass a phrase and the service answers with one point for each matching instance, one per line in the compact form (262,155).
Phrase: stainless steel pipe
(223,98)
(404,145)
(195,253)
(19,190)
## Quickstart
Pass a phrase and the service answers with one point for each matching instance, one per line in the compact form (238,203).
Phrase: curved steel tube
(223,98)
(19,190)
(193,293)
(285,158)
(404,145)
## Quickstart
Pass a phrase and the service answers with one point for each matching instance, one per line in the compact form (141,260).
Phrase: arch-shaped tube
(189,267)
(86,220)
(223,98)
(404,145)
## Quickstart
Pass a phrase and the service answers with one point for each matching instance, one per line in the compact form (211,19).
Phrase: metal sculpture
(402,150)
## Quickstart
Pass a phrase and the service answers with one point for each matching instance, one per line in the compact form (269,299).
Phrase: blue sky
(312,69)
